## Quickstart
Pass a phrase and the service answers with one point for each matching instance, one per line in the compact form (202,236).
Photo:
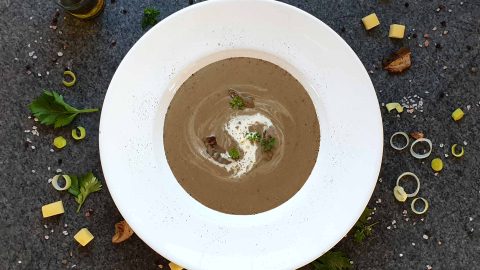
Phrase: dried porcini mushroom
(399,61)
(417,135)
(122,232)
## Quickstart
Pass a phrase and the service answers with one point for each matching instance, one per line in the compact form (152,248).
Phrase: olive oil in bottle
(83,9)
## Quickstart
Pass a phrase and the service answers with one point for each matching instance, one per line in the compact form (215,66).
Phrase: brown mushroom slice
(399,61)
(215,150)
(122,232)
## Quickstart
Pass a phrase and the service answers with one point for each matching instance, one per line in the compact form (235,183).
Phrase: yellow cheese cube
(53,209)
(370,21)
(83,236)
(174,266)
(458,114)
(396,31)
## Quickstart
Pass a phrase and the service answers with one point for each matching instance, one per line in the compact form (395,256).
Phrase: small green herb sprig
(83,186)
(332,260)
(237,103)
(362,228)
(234,153)
(253,137)
(268,143)
(149,17)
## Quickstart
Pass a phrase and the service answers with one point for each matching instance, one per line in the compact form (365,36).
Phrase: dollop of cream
(238,127)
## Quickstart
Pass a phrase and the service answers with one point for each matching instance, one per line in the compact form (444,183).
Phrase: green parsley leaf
(267,143)
(88,184)
(149,17)
(234,153)
(332,260)
(253,137)
(51,109)
(362,229)
(237,103)
(74,188)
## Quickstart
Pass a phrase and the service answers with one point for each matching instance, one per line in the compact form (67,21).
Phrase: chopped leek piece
(59,142)
(70,74)
(415,177)
(437,164)
(394,105)
(400,194)
(457,114)
(425,207)
(399,147)
(68,182)
(82,135)
(421,156)
(455,153)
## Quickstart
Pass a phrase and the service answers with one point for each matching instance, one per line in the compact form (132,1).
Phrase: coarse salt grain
(425,236)
(51,150)
(33,171)
(470,218)
(401,255)
(60,54)
(465,142)
(58,170)
(33,147)
(413,244)
(46,237)
(45,226)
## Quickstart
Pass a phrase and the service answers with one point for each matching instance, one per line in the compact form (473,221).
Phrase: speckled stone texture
(442,78)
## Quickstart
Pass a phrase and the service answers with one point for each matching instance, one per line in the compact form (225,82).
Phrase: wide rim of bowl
(122,203)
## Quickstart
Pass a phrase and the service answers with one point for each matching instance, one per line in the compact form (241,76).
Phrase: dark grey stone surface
(442,78)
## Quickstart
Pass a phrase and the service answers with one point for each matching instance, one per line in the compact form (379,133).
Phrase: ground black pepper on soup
(241,136)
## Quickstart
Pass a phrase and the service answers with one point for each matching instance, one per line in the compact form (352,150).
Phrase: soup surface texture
(241,136)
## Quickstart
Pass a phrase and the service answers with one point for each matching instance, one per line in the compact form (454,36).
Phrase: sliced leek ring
(82,135)
(70,74)
(421,156)
(416,178)
(400,194)
(437,164)
(455,153)
(425,208)
(405,135)
(59,142)
(68,182)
